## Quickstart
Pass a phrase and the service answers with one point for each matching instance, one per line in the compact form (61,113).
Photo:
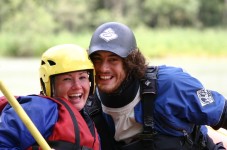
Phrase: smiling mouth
(78,95)
(105,77)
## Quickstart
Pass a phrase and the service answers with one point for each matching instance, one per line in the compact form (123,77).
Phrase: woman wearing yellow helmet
(67,79)
(66,72)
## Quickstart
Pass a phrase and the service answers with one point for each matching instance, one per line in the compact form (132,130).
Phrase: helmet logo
(108,35)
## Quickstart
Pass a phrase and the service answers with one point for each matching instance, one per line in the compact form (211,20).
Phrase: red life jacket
(65,130)
(3,103)
(70,132)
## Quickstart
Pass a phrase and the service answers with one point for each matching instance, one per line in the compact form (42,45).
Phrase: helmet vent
(52,63)
(42,62)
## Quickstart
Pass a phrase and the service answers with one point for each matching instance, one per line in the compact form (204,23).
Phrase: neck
(124,95)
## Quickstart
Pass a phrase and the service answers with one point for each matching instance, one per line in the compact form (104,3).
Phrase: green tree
(165,13)
(213,13)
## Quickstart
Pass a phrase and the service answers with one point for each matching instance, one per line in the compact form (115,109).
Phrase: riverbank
(21,75)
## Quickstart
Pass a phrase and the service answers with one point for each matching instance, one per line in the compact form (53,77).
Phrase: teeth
(105,77)
(78,94)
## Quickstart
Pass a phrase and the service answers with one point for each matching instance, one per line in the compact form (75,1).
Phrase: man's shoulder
(151,72)
(171,71)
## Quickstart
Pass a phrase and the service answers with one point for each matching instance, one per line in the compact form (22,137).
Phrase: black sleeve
(94,108)
(223,121)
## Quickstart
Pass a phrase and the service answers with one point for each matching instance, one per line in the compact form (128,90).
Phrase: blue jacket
(181,103)
(57,120)
(13,133)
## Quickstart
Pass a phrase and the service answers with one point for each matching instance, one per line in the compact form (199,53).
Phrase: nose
(76,84)
(104,66)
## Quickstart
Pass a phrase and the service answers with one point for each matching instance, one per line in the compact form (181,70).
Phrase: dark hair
(135,64)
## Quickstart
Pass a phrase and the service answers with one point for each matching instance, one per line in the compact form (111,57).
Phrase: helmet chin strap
(52,89)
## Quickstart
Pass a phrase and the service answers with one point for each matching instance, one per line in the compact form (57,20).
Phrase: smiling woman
(66,78)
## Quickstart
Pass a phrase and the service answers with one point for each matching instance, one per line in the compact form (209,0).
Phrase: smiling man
(149,107)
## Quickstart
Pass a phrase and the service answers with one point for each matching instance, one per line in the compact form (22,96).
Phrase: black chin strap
(122,97)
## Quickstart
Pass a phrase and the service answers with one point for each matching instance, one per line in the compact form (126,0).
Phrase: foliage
(171,12)
(29,27)
(152,42)
(213,13)
(182,42)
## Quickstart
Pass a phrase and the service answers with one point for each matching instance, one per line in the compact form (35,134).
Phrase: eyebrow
(81,72)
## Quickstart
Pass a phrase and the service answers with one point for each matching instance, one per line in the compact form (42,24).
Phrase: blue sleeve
(13,133)
(183,102)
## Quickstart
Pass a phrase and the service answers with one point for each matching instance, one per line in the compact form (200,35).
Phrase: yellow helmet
(61,59)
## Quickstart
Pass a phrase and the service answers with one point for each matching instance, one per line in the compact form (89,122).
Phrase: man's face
(110,72)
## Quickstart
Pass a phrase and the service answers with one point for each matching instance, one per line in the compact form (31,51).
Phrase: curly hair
(135,64)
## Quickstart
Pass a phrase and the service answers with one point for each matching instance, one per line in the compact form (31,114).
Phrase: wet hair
(135,64)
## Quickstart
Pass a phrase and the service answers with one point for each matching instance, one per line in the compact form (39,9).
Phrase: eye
(96,59)
(67,79)
(113,59)
(84,77)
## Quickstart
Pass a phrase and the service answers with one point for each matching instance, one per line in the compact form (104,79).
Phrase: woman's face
(73,86)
